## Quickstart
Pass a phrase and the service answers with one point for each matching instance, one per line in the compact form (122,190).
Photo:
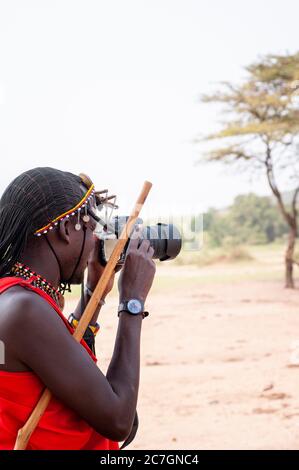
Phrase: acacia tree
(261,131)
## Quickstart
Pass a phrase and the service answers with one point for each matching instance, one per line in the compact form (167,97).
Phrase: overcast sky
(111,88)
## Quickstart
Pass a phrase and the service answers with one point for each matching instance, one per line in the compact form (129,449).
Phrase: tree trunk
(289,258)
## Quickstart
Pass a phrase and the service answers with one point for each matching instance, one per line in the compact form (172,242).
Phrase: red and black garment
(60,428)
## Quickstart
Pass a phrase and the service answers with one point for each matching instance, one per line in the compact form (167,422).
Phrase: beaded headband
(75,210)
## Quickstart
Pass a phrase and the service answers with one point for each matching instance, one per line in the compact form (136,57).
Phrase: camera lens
(165,239)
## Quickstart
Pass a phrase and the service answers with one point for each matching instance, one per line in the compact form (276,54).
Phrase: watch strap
(143,314)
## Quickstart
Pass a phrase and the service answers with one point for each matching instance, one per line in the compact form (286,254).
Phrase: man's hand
(95,270)
(138,273)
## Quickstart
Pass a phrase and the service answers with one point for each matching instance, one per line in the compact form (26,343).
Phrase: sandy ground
(217,365)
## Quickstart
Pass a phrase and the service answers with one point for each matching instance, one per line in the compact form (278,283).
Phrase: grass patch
(210,256)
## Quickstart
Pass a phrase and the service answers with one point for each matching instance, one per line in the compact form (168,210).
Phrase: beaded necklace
(23,271)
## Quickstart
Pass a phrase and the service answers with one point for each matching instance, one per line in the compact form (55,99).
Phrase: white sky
(111,88)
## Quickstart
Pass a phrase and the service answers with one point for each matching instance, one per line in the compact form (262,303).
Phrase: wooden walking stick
(25,432)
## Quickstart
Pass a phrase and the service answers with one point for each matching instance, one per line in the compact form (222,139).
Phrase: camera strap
(66,285)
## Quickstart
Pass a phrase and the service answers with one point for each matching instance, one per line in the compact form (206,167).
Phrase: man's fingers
(134,241)
(151,251)
(144,246)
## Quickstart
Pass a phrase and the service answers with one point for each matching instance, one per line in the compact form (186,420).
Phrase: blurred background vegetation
(250,220)
(239,233)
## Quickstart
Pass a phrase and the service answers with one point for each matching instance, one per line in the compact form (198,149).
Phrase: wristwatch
(133,306)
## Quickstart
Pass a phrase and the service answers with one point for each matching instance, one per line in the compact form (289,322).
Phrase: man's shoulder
(20,306)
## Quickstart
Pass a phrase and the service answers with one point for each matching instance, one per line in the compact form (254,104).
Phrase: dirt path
(216,367)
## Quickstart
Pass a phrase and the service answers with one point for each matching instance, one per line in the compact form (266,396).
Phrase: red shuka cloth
(60,428)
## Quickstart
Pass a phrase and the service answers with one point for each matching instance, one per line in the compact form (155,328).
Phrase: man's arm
(43,343)
(94,272)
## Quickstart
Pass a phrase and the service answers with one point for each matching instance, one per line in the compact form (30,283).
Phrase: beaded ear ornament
(91,202)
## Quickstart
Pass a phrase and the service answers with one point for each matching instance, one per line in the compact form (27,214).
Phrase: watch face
(134,306)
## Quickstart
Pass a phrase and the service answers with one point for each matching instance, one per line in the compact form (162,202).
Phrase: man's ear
(64,230)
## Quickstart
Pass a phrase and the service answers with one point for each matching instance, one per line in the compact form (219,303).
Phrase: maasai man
(47,220)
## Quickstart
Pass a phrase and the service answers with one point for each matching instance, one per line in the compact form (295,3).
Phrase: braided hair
(31,201)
